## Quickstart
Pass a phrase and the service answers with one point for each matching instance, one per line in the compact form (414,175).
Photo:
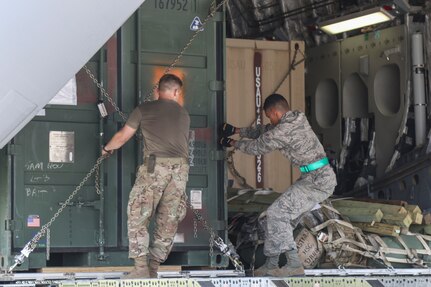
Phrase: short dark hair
(169,81)
(276,101)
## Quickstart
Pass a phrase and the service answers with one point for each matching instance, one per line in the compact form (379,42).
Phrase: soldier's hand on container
(227,142)
(227,130)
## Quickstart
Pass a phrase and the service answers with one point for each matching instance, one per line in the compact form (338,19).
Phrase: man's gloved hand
(227,130)
(226,142)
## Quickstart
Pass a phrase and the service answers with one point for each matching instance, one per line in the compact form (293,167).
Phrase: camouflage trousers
(301,197)
(161,195)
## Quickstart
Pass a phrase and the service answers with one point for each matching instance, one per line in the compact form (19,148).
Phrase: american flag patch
(33,221)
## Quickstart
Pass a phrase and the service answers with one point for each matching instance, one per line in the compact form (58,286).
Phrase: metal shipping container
(44,163)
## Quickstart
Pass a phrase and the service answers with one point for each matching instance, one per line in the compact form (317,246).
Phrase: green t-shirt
(165,126)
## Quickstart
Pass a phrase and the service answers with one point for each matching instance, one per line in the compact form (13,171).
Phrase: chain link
(96,182)
(215,239)
(211,244)
(104,93)
(195,228)
(231,165)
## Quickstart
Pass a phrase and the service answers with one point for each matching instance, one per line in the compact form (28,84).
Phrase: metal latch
(102,109)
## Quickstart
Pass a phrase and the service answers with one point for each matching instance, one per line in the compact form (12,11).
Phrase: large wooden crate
(241,107)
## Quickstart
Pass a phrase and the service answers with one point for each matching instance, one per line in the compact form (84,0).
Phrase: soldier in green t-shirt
(159,189)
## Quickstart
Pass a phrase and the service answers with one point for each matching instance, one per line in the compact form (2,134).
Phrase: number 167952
(178,5)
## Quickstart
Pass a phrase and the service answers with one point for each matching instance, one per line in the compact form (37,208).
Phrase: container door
(53,154)
(163,28)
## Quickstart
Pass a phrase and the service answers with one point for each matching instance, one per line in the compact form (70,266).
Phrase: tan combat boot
(141,269)
(293,267)
(269,268)
(154,267)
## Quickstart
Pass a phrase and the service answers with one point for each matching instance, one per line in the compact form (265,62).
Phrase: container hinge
(216,86)
(217,155)
(10,225)
(13,149)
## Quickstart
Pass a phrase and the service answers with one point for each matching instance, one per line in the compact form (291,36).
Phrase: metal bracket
(216,86)
(217,155)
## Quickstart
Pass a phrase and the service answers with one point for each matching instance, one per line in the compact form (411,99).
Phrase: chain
(215,239)
(104,93)
(32,244)
(195,228)
(96,182)
(200,218)
(231,165)
(211,244)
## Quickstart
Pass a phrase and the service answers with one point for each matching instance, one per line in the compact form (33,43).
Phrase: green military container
(45,162)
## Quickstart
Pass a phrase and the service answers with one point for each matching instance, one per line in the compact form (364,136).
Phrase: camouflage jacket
(292,136)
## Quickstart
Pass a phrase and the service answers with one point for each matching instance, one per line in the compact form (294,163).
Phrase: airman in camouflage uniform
(291,134)
(159,189)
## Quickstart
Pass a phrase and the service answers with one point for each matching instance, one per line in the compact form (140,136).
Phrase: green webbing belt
(315,165)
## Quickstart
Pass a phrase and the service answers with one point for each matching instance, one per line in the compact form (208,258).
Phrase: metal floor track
(227,278)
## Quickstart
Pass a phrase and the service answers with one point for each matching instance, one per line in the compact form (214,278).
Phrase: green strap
(315,165)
